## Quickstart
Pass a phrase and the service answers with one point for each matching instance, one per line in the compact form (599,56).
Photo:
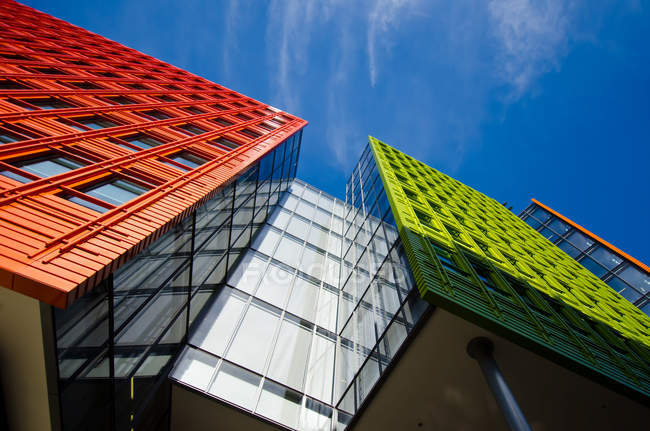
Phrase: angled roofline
(593,236)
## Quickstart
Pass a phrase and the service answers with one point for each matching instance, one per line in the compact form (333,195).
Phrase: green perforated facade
(473,257)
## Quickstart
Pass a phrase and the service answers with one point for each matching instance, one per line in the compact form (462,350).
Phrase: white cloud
(532,37)
(384,17)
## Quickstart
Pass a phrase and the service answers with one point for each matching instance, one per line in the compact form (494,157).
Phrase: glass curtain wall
(378,305)
(632,282)
(117,343)
(267,342)
(289,337)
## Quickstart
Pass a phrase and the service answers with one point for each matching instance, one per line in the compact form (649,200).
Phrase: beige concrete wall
(23,369)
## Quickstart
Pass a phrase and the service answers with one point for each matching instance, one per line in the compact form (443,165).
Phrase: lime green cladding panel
(473,257)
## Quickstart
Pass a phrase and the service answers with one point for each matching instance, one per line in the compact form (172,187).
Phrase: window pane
(48,167)
(298,227)
(305,209)
(569,249)
(636,278)
(540,214)
(559,226)
(320,372)
(290,355)
(116,192)
(318,237)
(216,328)
(248,273)
(266,240)
(195,368)
(142,141)
(275,284)
(236,385)
(254,337)
(605,257)
(288,250)
(594,267)
(312,263)
(626,291)
(279,404)
(326,310)
(580,241)
(188,159)
(302,301)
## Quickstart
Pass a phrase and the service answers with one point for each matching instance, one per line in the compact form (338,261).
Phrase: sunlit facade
(621,272)
(162,268)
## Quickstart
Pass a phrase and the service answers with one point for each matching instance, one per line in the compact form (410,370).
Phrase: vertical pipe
(481,348)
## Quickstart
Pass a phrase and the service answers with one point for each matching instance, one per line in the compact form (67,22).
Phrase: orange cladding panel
(78,111)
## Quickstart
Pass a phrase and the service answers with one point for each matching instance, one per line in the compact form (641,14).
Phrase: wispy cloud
(383,17)
(532,37)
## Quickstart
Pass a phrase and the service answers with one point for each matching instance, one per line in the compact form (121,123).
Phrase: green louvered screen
(473,257)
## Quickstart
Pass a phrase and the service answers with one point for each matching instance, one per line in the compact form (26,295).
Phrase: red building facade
(82,116)
(128,190)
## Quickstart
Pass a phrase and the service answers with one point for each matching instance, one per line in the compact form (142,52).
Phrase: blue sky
(516,98)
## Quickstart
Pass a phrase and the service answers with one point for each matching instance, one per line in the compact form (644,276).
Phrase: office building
(120,175)
(162,268)
(621,272)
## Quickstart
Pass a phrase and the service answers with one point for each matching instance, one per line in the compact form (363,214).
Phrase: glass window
(310,195)
(195,368)
(320,372)
(636,278)
(157,114)
(288,251)
(337,225)
(188,159)
(331,275)
(541,214)
(141,140)
(191,129)
(266,240)
(8,137)
(289,202)
(95,122)
(48,103)
(326,202)
(581,241)
(248,273)
(289,358)
(306,210)
(318,237)
(236,385)
(315,416)
(334,246)
(120,100)
(594,267)
(254,337)
(275,285)
(302,301)
(605,257)
(115,192)
(43,167)
(312,262)
(280,218)
(569,249)
(298,227)
(323,217)
(626,291)
(326,310)
(221,318)
(559,226)
(223,142)
(279,404)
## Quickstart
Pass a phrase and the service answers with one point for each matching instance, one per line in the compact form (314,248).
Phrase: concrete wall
(24,371)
